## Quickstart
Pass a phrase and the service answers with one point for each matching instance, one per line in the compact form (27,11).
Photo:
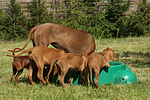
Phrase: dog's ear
(106,59)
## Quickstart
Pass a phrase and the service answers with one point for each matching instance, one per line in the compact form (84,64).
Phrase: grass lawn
(133,51)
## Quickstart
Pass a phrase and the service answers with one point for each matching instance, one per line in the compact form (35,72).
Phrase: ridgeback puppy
(19,63)
(96,62)
(74,63)
(109,54)
(61,37)
(39,57)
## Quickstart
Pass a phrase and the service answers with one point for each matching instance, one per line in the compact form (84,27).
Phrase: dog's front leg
(14,73)
(40,75)
(18,74)
(70,81)
(61,77)
(55,74)
(96,71)
(86,73)
(61,81)
(50,70)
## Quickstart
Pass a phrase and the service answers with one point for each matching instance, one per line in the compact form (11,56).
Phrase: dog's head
(109,53)
(106,62)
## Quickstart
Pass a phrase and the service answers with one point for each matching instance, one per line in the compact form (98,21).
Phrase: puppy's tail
(27,50)
(14,51)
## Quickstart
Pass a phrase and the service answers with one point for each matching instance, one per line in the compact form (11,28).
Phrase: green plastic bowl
(125,76)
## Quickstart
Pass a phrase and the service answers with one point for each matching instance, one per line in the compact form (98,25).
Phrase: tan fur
(96,62)
(39,57)
(109,54)
(75,63)
(62,37)
(19,63)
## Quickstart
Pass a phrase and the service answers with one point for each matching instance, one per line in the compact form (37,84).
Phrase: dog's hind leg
(62,75)
(40,67)
(55,74)
(61,79)
(30,75)
(96,71)
(50,70)
(18,74)
(91,78)
(86,74)
(14,73)
(70,81)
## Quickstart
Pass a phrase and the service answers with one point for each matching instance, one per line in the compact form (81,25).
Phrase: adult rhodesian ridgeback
(62,37)
(109,54)
(39,57)
(72,62)
(96,62)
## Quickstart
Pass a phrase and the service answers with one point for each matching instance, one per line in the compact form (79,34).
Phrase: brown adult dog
(62,37)
(96,62)
(109,54)
(39,57)
(19,63)
(74,62)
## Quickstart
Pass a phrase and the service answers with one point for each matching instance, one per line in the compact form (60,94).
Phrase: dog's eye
(122,79)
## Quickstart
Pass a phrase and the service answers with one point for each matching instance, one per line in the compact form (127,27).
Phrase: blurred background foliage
(104,21)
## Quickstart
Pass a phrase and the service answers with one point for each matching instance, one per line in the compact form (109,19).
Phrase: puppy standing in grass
(39,57)
(96,62)
(74,63)
(19,63)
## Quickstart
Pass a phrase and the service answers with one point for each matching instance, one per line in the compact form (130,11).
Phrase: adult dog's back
(62,37)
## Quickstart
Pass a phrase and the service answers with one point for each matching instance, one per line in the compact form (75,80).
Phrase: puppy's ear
(106,62)
(106,59)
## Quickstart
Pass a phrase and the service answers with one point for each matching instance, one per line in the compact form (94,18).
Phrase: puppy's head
(106,62)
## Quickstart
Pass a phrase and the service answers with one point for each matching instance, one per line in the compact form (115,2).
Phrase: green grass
(134,52)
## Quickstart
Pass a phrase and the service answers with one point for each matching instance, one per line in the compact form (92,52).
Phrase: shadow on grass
(134,59)
(26,80)
(23,79)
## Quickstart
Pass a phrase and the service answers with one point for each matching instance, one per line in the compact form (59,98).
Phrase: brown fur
(40,57)
(62,37)
(96,62)
(19,63)
(74,62)
(109,54)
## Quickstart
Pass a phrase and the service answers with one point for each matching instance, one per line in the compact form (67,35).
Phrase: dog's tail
(14,50)
(27,50)
(29,35)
